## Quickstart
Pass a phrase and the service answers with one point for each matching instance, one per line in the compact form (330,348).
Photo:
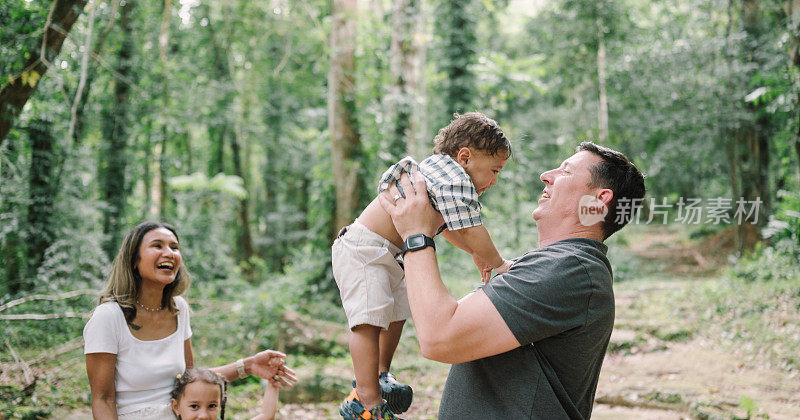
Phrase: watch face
(416,241)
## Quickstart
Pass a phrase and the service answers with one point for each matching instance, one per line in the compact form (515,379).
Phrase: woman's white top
(146,370)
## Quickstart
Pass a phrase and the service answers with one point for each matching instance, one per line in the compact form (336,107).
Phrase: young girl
(199,394)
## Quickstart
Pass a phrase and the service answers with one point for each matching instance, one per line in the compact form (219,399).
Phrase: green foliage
(682,79)
(198,182)
(20,23)
(754,310)
(204,217)
(770,263)
(456,29)
(75,259)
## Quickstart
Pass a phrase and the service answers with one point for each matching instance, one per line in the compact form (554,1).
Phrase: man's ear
(463,155)
(605,195)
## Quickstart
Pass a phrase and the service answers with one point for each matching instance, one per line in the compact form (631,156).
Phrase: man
(530,343)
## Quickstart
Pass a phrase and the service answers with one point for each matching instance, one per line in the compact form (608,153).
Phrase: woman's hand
(269,364)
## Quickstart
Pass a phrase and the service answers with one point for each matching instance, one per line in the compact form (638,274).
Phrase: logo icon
(591,210)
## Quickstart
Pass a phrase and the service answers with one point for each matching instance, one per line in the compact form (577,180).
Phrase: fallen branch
(39,317)
(620,401)
(59,296)
(26,367)
(67,347)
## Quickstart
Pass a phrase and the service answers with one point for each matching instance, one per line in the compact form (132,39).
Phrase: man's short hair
(474,130)
(617,173)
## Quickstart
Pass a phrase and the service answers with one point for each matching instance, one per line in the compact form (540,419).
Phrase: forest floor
(663,362)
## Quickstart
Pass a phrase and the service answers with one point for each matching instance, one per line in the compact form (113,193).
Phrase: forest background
(259,128)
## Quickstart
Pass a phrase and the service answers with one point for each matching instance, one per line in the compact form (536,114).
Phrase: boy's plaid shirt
(450,189)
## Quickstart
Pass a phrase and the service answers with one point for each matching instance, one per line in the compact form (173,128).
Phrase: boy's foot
(398,396)
(352,409)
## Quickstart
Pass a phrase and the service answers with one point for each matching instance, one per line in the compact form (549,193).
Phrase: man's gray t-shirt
(558,301)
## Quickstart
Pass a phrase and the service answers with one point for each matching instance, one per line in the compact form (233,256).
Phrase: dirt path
(693,378)
(664,366)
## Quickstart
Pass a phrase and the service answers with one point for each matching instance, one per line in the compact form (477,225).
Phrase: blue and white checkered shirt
(450,188)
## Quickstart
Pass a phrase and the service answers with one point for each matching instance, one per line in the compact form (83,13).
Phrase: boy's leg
(388,344)
(398,395)
(364,351)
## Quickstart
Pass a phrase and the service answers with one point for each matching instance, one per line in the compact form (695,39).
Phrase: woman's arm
(187,353)
(100,368)
(267,364)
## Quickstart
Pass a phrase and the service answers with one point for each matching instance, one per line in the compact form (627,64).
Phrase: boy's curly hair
(195,374)
(475,130)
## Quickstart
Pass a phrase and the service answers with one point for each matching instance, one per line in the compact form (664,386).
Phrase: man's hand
(413,214)
(483,267)
(269,364)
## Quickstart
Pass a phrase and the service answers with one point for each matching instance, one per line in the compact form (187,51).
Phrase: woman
(139,336)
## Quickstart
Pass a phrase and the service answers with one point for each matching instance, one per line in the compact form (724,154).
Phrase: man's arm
(448,331)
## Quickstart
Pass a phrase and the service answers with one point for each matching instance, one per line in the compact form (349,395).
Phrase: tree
(406,71)
(43,189)
(455,26)
(793,18)
(345,141)
(115,127)
(752,137)
(93,47)
(15,94)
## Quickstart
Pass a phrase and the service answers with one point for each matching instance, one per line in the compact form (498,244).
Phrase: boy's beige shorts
(371,282)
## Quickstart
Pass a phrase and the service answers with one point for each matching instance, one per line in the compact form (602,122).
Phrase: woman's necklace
(148,309)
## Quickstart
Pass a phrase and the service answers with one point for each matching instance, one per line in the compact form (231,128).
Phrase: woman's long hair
(125,282)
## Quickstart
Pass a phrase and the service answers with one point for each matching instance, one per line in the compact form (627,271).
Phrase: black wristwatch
(417,242)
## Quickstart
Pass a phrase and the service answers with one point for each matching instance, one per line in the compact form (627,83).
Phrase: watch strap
(427,241)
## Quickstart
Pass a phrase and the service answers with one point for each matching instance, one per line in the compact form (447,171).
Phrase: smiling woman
(133,355)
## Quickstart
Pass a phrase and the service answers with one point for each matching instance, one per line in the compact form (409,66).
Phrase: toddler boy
(468,156)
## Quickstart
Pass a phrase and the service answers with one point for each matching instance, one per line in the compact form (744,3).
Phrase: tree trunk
(161,152)
(345,141)
(793,17)
(43,190)
(16,93)
(13,250)
(456,25)
(115,135)
(84,73)
(755,156)
(602,111)
(82,94)
(404,53)
(218,127)
(733,161)
(245,239)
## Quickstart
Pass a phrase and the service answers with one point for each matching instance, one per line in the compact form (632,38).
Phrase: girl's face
(200,401)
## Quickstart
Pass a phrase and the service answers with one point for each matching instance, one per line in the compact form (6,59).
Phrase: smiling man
(530,343)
